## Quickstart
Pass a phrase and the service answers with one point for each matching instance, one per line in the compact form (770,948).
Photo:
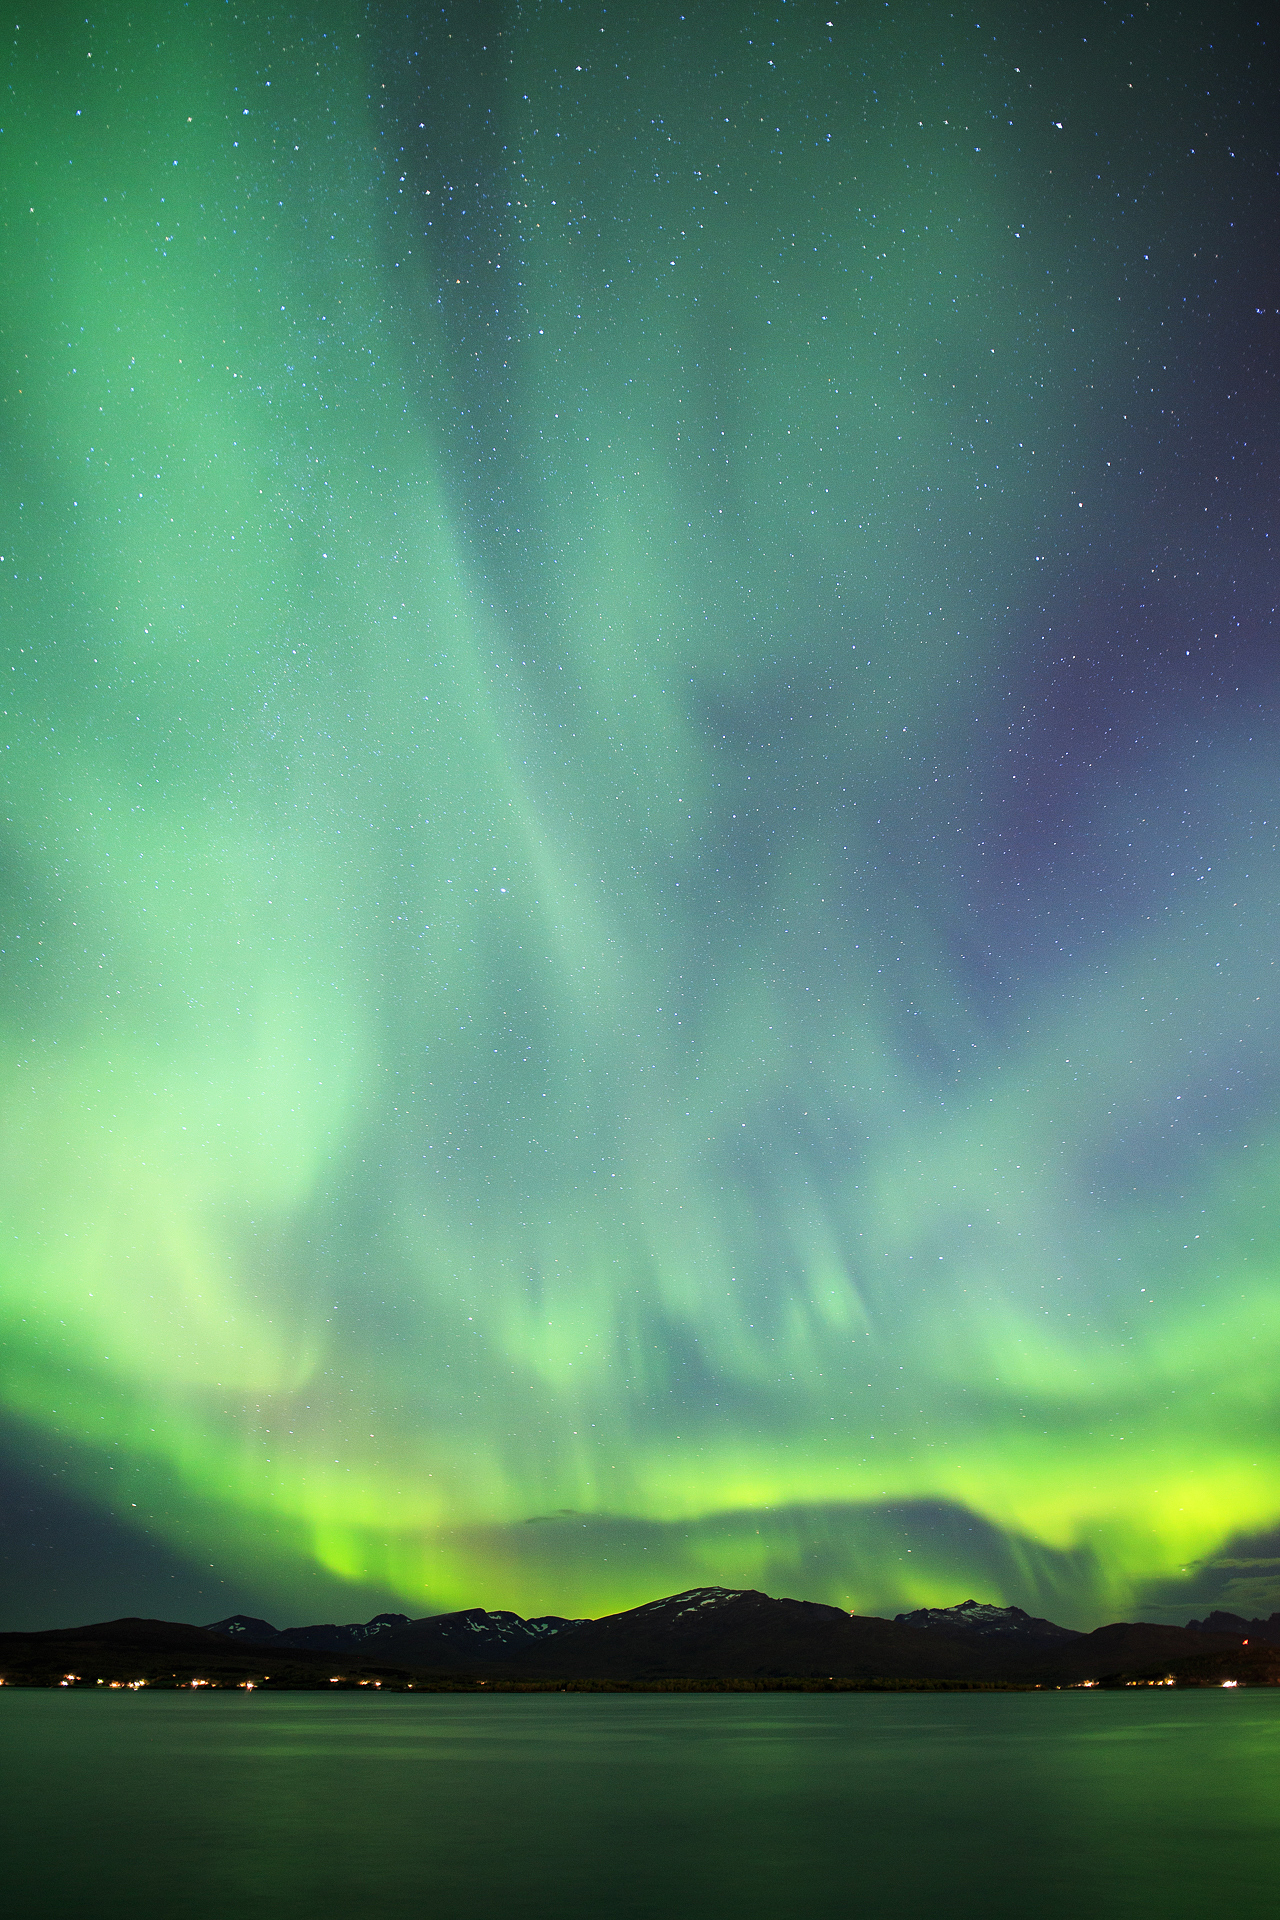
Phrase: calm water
(1059,1804)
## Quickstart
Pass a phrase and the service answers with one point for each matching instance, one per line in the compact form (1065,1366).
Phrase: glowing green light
(480,1064)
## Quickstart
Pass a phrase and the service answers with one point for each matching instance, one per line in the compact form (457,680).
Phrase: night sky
(639,883)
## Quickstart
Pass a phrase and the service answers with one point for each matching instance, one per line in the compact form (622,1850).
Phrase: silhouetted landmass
(1268,1631)
(708,1638)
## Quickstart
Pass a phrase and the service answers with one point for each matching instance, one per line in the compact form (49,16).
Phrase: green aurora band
(538,1069)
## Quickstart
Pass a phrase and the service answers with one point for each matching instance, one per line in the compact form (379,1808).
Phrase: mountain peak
(244,1626)
(981,1618)
(694,1600)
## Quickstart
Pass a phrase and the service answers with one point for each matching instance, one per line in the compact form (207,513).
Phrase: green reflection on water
(1057,1804)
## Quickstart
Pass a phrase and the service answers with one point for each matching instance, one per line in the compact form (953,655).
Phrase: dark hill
(129,1632)
(157,1652)
(329,1638)
(1128,1647)
(1267,1631)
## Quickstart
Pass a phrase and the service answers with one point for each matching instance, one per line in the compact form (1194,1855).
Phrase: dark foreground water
(1073,1804)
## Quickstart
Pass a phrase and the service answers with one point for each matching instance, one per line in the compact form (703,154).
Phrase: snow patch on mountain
(983,1621)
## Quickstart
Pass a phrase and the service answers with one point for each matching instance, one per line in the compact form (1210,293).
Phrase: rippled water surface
(1079,1804)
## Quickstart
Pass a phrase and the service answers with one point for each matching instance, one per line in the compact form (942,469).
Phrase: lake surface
(1158,1803)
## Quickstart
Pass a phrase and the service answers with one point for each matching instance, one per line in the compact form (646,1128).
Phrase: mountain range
(707,1636)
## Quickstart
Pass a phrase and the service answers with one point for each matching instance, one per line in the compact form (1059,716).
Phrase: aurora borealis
(640,809)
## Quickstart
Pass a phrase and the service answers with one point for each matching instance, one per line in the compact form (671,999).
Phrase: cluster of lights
(338,1680)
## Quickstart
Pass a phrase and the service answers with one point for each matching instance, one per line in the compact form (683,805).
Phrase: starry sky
(638,865)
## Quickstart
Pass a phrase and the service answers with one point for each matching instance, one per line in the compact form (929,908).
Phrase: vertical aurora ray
(639,845)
